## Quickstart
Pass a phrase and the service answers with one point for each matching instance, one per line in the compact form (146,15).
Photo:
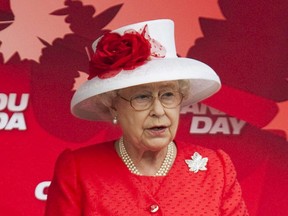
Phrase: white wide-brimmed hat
(162,65)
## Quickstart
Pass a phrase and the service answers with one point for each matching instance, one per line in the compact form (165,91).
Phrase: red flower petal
(115,52)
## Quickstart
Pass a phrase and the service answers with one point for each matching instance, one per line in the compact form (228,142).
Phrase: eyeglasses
(143,101)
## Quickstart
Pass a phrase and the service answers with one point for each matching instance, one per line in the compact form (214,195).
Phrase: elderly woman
(138,82)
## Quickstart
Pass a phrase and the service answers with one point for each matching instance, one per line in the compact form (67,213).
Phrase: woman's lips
(157,130)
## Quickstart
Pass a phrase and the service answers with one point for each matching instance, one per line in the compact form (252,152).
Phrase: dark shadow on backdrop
(249,51)
(53,78)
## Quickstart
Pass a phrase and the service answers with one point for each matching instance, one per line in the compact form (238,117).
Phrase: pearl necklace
(167,163)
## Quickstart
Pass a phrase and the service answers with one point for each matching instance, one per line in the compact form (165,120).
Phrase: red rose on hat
(115,52)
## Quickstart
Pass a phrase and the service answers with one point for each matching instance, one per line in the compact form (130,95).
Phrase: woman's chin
(157,143)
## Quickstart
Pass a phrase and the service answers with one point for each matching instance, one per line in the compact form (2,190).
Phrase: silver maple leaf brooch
(197,163)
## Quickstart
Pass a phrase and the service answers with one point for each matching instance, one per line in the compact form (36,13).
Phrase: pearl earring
(115,120)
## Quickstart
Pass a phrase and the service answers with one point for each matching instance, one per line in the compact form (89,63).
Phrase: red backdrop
(43,60)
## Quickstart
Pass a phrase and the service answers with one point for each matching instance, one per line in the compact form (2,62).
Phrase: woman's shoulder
(88,153)
(97,158)
(187,147)
(95,148)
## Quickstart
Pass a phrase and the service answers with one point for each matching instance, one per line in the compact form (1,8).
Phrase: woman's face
(151,129)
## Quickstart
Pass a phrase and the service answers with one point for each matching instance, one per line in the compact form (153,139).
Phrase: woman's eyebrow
(172,86)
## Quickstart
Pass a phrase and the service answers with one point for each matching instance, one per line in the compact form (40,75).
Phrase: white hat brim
(203,83)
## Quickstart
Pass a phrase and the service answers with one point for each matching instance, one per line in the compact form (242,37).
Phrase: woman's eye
(167,95)
(142,97)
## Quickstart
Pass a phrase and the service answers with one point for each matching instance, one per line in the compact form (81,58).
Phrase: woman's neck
(148,162)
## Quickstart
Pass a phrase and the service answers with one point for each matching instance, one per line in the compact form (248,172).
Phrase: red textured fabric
(94,181)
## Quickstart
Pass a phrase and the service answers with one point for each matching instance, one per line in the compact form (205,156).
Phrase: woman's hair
(184,86)
(107,98)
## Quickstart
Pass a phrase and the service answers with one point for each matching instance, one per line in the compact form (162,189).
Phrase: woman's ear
(113,111)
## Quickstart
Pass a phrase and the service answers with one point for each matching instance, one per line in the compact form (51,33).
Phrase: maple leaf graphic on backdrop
(80,80)
(32,23)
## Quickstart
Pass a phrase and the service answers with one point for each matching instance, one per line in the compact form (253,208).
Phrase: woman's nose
(157,109)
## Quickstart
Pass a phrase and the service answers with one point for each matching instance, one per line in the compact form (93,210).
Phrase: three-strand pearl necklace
(166,165)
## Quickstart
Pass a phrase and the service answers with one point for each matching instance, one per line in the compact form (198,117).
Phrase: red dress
(94,181)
